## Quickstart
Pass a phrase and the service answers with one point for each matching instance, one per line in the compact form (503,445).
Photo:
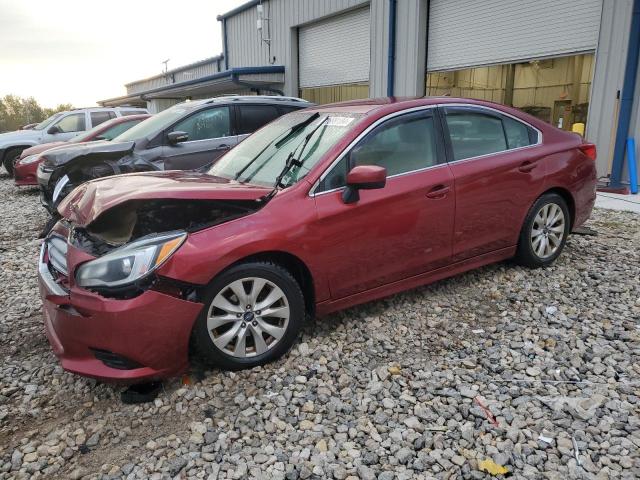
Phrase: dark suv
(188,136)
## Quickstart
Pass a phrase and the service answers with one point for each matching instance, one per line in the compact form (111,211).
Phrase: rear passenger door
(498,175)
(250,118)
(210,136)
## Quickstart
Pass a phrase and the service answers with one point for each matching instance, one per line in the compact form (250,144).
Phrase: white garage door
(468,34)
(335,51)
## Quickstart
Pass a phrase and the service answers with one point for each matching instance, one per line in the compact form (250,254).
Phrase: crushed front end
(134,333)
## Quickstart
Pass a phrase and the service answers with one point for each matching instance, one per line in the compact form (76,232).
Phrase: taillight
(589,149)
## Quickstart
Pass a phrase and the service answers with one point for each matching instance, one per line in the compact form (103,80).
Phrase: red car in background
(320,210)
(27,165)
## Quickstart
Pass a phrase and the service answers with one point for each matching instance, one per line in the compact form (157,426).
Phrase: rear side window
(401,145)
(474,133)
(252,117)
(518,134)
(131,112)
(100,117)
(72,123)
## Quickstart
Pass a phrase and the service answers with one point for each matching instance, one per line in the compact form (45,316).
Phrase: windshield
(45,123)
(154,124)
(261,157)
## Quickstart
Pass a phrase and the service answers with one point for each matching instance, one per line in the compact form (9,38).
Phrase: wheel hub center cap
(248,316)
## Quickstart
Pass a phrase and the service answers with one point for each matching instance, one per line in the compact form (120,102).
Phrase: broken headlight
(129,263)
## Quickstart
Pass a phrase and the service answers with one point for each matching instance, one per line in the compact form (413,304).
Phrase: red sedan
(26,166)
(320,210)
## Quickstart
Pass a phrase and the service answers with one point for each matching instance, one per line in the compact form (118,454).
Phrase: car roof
(386,105)
(261,99)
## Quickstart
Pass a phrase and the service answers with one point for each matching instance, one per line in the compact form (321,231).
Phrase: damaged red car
(26,167)
(320,210)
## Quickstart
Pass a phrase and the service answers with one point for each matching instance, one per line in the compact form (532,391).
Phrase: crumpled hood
(31,136)
(62,155)
(84,204)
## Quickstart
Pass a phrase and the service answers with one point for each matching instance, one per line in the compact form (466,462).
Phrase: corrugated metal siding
(174,76)
(246,49)
(607,80)
(323,58)
(463,33)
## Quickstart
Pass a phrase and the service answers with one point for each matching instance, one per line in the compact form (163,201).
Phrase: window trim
(492,111)
(364,133)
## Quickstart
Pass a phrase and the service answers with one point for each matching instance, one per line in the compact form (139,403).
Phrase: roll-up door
(335,51)
(467,34)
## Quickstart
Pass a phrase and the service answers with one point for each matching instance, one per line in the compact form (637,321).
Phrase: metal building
(561,60)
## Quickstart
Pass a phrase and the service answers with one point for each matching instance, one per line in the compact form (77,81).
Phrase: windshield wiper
(279,143)
(293,160)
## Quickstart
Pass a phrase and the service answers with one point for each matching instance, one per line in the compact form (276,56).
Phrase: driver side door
(67,127)
(210,136)
(395,232)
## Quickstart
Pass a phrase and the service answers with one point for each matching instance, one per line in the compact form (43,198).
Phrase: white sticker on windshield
(339,121)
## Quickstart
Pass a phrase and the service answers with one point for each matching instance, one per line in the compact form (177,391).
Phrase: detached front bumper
(124,341)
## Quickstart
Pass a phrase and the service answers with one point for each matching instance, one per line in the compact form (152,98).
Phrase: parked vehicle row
(187,136)
(58,127)
(319,210)
(25,168)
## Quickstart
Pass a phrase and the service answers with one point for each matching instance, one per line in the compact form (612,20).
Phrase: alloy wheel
(547,230)
(248,317)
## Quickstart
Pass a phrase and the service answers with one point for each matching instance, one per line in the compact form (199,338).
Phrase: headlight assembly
(129,263)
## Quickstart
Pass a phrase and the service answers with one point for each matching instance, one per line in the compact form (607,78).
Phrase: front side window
(100,117)
(474,132)
(72,123)
(207,124)
(262,156)
(252,117)
(402,144)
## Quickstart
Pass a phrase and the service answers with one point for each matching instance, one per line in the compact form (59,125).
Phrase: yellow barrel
(578,127)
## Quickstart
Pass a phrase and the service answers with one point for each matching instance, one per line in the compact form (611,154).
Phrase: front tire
(253,315)
(544,232)
(10,158)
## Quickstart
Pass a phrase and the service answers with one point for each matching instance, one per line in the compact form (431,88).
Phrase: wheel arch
(14,147)
(294,265)
(568,198)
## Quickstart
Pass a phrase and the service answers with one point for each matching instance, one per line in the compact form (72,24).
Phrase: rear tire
(10,158)
(252,315)
(544,232)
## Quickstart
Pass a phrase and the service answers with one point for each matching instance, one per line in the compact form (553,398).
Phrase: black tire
(526,254)
(10,157)
(273,273)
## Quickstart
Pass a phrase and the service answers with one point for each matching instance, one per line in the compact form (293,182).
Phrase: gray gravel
(513,365)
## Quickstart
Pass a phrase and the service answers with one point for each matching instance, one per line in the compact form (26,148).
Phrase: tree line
(15,112)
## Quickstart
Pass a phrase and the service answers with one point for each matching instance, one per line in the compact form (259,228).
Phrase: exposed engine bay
(132,220)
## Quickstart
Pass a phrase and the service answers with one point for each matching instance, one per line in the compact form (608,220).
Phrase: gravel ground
(517,366)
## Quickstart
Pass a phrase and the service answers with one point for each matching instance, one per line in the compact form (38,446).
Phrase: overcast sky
(81,51)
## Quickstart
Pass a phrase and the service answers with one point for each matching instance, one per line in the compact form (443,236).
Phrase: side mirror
(363,177)
(53,130)
(177,137)
(99,137)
